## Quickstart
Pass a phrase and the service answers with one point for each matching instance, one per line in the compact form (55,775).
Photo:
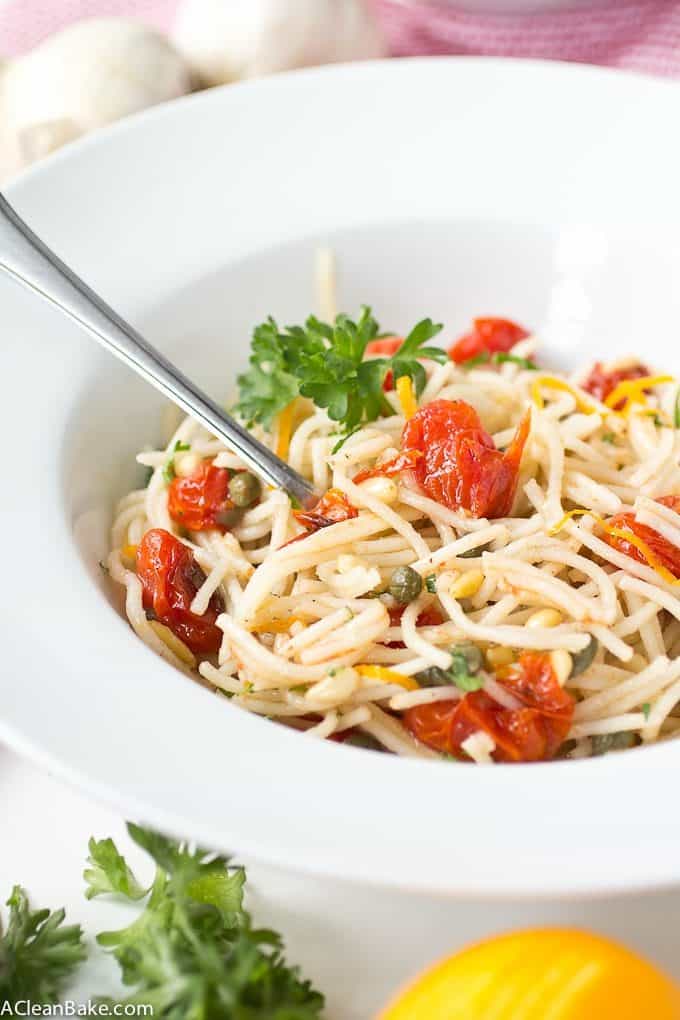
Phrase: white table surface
(358,944)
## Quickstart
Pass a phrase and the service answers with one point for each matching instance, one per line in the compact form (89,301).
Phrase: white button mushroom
(224,41)
(87,75)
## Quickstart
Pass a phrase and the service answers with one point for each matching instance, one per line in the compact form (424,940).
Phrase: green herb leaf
(646,708)
(676,414)
(169,466)
(38,952)
(498,358)
(270,384)
(109,872)
(501,357)
(193,952)
(465,668)
(464,671)
(343,439)
(326,364)
(483,358)
(609,437)
(431,583)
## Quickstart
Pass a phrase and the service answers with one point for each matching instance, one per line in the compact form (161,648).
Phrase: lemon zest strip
(553,383)
(626,535)
(275,626)
(579,512)
(631,390)
(285,427)
(643,548)
(387,676)
(407,397)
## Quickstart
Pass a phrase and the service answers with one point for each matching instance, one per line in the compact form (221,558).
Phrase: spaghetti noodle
(412,612)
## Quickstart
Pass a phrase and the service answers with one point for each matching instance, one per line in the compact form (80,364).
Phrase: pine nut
(333,690)
(384,489)
(186,464)
(561,664)
(499,656)
(467,584)
(545,618)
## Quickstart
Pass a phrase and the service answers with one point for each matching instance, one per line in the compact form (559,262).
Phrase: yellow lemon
(548,974)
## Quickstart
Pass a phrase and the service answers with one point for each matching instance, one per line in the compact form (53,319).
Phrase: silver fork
(25,257)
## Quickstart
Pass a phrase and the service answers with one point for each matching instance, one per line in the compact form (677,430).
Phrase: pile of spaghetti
(491,573)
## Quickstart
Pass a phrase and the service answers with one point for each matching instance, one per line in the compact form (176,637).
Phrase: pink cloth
(25,23)
(643,35)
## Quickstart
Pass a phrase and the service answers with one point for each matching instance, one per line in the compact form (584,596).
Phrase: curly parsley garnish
(326,363)
(38,952)
(193,951)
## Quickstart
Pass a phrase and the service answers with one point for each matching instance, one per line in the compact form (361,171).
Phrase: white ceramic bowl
(448,188)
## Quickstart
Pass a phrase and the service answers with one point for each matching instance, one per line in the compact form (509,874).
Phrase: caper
(229,517)
(466,664)
(405,585)
(363,740)
(471,654)
(565,749)
(473,553)
(602,743)
(580,661)
(244,489)
(433,676)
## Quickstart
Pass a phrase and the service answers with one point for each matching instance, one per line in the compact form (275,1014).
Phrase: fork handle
(28,259)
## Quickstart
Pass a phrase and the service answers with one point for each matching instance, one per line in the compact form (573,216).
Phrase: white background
(358,944)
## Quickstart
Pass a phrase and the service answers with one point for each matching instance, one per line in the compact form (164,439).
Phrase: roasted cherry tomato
(666,553)
(402,462)
(332,508)
(601,383)
(428,618)
(461,466)
(385,347)
(201,501)
(487,336)
(170,579)
(533,732)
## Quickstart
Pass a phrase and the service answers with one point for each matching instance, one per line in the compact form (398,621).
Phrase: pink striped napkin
(643,35)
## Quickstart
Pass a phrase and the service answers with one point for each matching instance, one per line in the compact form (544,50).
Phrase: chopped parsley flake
(169,466)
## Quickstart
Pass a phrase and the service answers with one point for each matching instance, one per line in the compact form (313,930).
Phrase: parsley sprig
(38,952)
(193,952)
(326,363)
